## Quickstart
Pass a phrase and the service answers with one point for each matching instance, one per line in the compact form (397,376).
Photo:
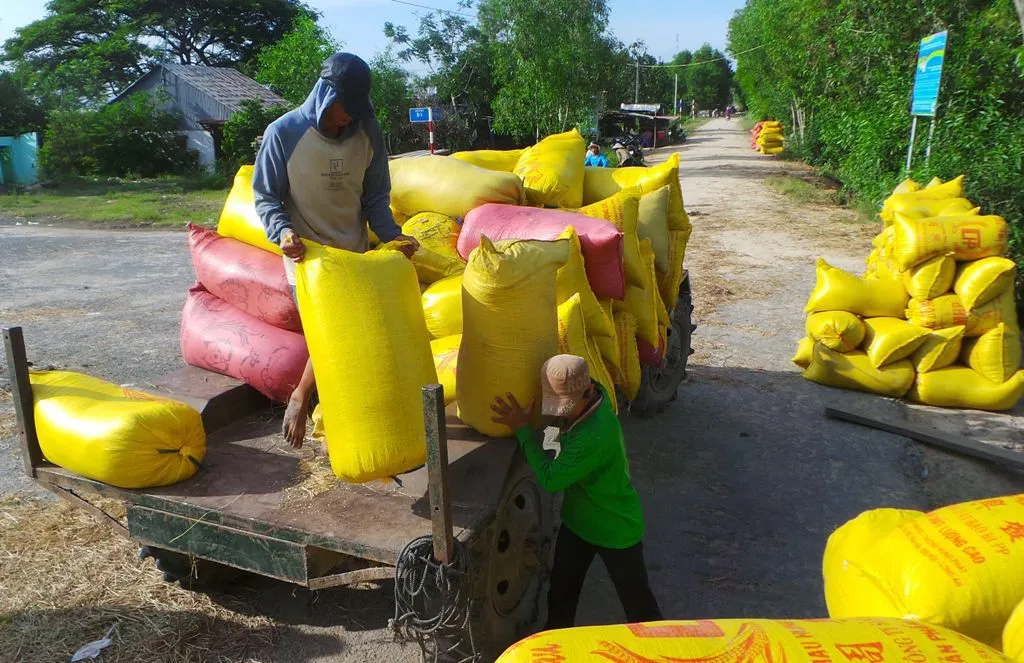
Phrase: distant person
(595,158)
(601,511)
(322,174)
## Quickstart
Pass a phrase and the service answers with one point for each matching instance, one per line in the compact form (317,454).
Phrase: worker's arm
(270,185)
(376,199)
(576,460)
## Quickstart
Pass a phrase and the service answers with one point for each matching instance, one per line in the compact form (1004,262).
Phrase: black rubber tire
(658,386)
(517,563)
(192,573)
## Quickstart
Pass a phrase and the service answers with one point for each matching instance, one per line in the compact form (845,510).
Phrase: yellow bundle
(839,330)
(119,436)
(855,371)
(446,360)
(601,183)
(629,374)
(965,237)
(370,362)
(938,313)
(622,210)
(573,340)
(891,339)
(1013,634)
(931,278)
(500,160)
(916,208)
(981,281)
(653,226)
(510,325)
(804,352)
(837,290)
(906,186)
(448,186)
(238,219)
(642,304)
(995,354)
(951,189)
(572,280)
(959,386)
(442,307)
(940,348)
(987,316)
(668,284)
(437,256)
(552,170)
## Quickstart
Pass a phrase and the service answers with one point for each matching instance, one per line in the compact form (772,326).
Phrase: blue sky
(359,23)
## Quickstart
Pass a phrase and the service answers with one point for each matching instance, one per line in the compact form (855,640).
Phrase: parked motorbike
(629,151)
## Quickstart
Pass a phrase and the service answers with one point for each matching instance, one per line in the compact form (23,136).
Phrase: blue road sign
(421,116)
(928,74)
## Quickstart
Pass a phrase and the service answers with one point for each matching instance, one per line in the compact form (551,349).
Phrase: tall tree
(709,78)
(291,66)
(19,113)
(390,95)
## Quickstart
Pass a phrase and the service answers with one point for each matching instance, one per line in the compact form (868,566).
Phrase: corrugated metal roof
(223,84)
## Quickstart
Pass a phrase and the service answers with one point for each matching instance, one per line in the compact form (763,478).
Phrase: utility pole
(636,95)
(675,96)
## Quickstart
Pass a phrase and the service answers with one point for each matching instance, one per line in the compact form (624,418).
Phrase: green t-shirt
(600,505)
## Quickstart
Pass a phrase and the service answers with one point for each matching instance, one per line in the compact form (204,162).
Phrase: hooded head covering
(343,76)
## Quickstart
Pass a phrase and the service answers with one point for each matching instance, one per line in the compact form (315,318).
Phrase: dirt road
(742,478)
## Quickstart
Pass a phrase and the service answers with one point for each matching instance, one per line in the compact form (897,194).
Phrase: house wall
(19,159)
(201,142)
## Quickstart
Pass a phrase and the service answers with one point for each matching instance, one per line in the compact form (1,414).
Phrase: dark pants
(573,557)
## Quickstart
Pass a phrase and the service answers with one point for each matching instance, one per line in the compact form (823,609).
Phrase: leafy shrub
(238,145)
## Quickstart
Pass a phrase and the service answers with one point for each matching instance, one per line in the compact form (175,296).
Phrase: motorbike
(629,151)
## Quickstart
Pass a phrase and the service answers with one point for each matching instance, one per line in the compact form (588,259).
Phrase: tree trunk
(1019,4)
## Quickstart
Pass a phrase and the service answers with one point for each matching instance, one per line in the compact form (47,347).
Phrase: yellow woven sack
(931,278)
(608,346)
(941,348)
(370,362)
(574,340)
(988,316)
(651,284)
(448,186)
(629,375)
(965,237)
(933,182)
(848,592)
(804,352)
(837,290)
(642,304)
(891,339)
(600,183)
(119,436)
(906,186)
(871,265)
(916,208)
(446,360)
(772,150)
(838,330)
(442,307)
(668,284)
(437,257)
(622,210)
(510,325)
(963,387)
(883,238)
(552,170)
(853,370)
(938,313)
(653,226)
(995,354)
(951,189)
(1013,634)
(863,640)
(500,160)
(572,279)
(238,219)
(981,281)
(960,567)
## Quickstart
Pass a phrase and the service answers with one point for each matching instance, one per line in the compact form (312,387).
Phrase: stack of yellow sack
(768,137)
(960,567)
(934,316)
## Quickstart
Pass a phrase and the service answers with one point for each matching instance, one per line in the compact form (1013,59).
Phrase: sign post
(927,76)
(426,116)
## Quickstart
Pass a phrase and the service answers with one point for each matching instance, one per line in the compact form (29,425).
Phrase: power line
(689,64)
(433,9)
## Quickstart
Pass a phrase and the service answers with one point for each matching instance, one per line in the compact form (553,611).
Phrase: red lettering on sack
(547,654)
(704,628)
(870,652)
(991,503)
(971,237)
(1013,530)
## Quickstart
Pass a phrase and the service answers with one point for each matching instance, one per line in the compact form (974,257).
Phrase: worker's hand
(292,246)
(510,413)
(409,245)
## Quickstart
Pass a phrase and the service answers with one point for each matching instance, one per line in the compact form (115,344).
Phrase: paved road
(742,478)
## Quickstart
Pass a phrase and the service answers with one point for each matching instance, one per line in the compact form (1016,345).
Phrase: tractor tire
(659,385)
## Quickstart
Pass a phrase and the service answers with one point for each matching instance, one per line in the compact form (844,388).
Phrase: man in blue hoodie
(322,174)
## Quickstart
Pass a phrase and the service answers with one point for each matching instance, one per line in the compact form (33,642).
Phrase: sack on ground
(804,352)
(924,209)
(891,339)
(995,354)
(931,279)
(119,436)
(906,186)
(960,386)
(622,210)
(220,338)
(629,375)
(951,189)
(437,256)
(446,360)
(938,313)
(653,225)
(965,237)
(448,186)
(572,280)
(238,219)
(987,316)
(753,640)
(600,183)
(574,340)
(855,371)
(981,281)
(250,279)
(510,325)
(837,290)
(371,362)
(552,170)
(840,330)
(600,241)
(500,160)
(959,567)
(940,348)
(442,307)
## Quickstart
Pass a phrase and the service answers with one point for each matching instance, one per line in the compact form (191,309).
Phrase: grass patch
(692,124)
(804,191)
(163,202)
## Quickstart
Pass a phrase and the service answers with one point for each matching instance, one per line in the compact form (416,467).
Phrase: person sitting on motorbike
(594,157)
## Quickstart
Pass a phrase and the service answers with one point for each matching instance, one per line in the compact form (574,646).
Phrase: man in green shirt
(601,511)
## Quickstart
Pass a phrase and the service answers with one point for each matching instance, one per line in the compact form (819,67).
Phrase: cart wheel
(659,385)
(190,572)
(511,564)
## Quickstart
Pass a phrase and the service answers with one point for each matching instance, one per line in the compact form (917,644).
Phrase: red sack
(649,355)
(600,240)
(220,338)
(250,279)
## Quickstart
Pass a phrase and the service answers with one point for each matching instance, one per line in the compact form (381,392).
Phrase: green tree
(19,113)
(291,66)
(390,95)
(709,78)
(238,143)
